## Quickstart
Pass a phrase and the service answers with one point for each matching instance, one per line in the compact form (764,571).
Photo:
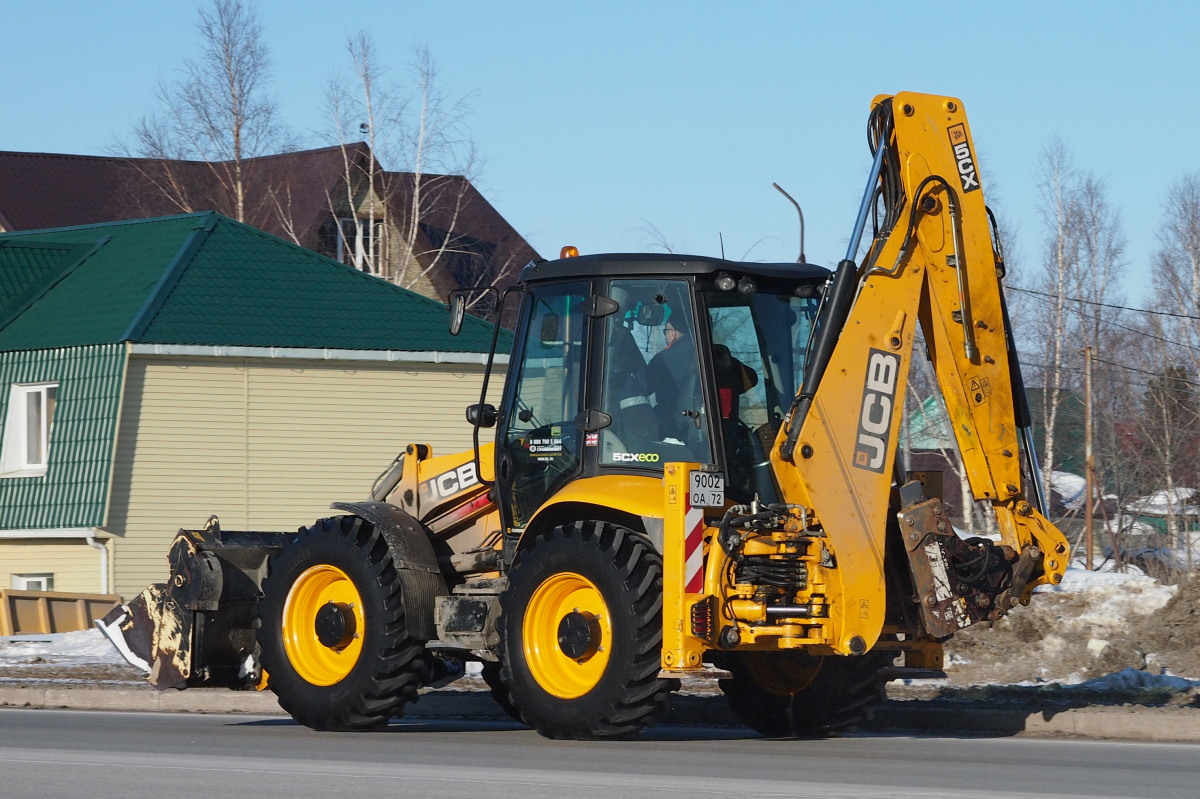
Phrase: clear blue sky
(599,120)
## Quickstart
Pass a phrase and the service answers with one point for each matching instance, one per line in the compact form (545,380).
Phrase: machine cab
(626,363)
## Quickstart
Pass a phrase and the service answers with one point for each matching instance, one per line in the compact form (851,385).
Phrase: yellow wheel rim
(567,635)
(323,625)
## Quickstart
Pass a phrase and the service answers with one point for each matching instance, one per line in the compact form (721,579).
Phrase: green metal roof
(28,269)
(74,490)
(204,279)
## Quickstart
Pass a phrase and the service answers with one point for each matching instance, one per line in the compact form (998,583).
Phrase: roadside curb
(1149,724)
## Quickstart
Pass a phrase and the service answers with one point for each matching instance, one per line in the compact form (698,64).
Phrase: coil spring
(790,574)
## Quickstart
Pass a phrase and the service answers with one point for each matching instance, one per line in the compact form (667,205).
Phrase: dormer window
(27,426)
(360,243)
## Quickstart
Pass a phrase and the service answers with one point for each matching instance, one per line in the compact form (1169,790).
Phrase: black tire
(796,695)
(495,682)
(376,667)
(608,686)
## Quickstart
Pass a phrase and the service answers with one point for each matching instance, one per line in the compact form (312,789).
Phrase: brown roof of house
(46,190)
(287,191)
(291,195)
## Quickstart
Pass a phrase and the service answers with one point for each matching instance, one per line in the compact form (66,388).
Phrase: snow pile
(84,647)
(1098,630)
(1109,600)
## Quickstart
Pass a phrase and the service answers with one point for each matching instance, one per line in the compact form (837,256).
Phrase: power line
(1047,298)
(1079,370)
(1106,305)
(1154,374)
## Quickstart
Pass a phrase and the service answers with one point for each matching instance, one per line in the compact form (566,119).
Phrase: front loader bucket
(198,628)
(153,634)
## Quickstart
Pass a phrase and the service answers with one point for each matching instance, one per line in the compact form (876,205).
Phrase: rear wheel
(333,637)
(796,695)
(499,691)
(581,633)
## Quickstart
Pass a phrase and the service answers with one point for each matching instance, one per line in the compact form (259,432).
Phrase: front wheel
(332,629)
(581,633)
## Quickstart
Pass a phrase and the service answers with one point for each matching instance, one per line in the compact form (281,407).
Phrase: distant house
(929,446)
(430,233)
(154,372)
(1155,510)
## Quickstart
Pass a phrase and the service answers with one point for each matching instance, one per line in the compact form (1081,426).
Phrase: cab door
(538,446)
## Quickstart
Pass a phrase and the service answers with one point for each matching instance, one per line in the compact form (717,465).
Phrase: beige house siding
(266,444)
(75,565)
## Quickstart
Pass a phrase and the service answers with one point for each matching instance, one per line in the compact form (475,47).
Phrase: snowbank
(82,647)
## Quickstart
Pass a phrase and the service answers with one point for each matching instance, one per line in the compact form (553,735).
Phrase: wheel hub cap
(334,625)
(578,635)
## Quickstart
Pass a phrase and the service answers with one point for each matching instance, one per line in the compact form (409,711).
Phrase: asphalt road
(104,755)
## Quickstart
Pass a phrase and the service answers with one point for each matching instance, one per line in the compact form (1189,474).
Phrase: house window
(27,426)
(33,582)
(360,243)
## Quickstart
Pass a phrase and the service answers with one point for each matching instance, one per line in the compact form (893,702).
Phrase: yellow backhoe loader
(693,473)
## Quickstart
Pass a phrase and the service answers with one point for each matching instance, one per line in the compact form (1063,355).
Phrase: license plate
(707,489)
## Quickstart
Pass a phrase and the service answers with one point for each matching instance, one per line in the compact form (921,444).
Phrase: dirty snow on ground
(1109,599)
(81,647)
(1097,629)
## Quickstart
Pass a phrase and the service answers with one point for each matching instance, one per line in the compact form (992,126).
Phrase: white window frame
(17,457)
(33,582)
(358,245)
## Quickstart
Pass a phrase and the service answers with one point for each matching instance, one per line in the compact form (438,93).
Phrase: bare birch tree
(1061,259)
(1171,400)
(217,113)
(365,110)
(422,133)
(1084,259)
(1177,276)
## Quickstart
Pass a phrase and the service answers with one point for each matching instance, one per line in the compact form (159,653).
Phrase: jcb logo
(447,484)
(875,417)
(963,158)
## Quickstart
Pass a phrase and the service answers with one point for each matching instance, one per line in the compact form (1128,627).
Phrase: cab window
(651,378)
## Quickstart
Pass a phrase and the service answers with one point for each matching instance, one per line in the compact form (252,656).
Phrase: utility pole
(1089,461)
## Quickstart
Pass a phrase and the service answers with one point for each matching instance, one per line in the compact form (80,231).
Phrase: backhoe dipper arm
(932,260)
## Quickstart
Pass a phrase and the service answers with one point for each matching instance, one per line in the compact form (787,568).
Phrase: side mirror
(484,415)
(649,315)
(458,309)
(551,331)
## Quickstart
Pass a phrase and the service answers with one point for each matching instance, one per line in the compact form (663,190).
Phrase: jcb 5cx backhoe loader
(693,472)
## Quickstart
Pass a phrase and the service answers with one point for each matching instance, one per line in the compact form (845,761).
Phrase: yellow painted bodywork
(896,290)
(639,495)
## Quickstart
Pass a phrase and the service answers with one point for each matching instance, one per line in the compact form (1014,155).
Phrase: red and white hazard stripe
(693,552)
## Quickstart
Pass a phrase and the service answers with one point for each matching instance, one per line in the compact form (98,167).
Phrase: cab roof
(653,264)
